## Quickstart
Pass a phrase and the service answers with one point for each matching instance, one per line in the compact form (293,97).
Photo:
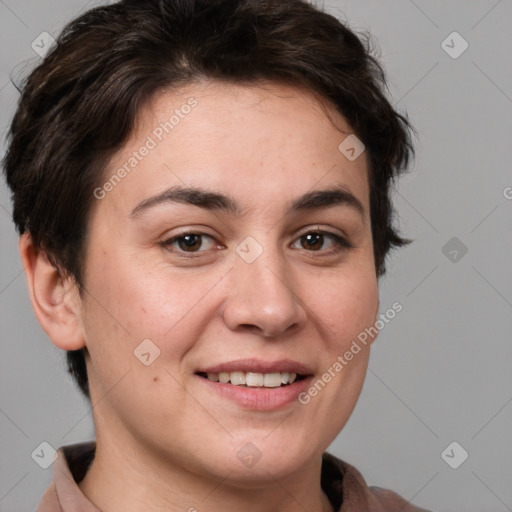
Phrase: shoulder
(391,501)
(349,492)
(69,467)
(50,501)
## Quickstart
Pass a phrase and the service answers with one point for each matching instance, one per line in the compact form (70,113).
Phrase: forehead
(264,138)
(273,109)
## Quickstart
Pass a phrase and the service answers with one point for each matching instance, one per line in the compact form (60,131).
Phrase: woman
(202,194)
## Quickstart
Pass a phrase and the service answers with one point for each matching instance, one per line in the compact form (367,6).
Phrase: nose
(261,297)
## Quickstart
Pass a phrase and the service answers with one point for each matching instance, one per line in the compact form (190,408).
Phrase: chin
(255,463)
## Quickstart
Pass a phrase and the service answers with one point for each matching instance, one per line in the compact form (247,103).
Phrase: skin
(164,441)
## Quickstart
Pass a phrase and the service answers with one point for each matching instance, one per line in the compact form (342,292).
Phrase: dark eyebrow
(324,198)
(189,195)
(313,200)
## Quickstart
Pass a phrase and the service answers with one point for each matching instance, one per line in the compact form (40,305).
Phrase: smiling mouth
(253,379)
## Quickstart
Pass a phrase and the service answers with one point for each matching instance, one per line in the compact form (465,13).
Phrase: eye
(320,240)
(189,242)
(312,241)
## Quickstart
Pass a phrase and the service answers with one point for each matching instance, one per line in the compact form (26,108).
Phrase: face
(237,246)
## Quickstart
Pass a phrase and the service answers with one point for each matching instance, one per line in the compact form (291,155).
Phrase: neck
(123,478)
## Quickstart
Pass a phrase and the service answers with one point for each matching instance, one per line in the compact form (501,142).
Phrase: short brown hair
(79,105)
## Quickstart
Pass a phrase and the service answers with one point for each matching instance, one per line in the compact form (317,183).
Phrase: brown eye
(189,242)
(313,241)
(322,241)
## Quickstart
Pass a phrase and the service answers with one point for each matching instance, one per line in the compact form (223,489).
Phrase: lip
(258,398)
(258,366)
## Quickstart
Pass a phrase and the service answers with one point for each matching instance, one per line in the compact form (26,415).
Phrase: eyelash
(341,243)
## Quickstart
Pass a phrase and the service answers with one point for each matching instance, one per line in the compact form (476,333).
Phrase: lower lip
(262,399)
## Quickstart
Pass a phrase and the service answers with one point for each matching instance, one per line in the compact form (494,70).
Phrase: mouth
(254,379)
(256,385)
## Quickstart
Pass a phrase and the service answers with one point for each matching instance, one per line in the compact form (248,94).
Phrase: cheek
(342,307)
(345,305)
(130,302)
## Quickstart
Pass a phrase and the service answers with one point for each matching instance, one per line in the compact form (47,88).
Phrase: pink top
(341,482)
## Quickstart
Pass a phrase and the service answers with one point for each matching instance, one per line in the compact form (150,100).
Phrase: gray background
(440,371)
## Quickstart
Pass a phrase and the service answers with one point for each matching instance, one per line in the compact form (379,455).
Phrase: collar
(342,483)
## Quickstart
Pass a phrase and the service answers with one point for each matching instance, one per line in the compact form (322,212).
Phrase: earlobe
(54,297)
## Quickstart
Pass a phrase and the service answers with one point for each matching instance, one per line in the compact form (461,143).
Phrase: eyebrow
(207,199)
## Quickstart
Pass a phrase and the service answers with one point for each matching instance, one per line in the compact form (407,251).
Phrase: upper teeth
(268,380)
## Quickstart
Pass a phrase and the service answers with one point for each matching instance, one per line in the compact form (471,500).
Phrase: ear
(54,297)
